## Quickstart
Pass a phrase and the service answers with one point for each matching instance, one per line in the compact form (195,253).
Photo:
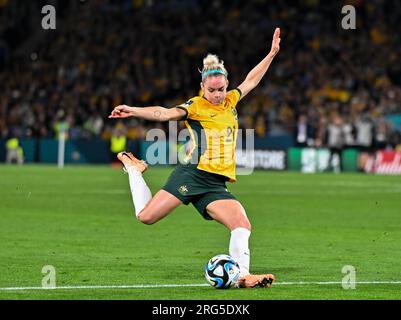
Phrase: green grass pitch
(305,229)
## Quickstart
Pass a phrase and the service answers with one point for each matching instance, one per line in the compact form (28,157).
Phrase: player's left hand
(276,42)
(122,111)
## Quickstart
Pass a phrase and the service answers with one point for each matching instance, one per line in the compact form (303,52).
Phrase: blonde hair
(212,63)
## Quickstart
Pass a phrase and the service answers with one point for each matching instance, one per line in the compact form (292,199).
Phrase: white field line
(147,286)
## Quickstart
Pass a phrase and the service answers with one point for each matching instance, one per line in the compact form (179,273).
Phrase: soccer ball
(222,271)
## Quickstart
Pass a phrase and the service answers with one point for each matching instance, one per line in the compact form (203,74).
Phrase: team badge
(235,113)
(183,190)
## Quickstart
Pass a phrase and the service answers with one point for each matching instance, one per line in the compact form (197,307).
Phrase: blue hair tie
(215,71)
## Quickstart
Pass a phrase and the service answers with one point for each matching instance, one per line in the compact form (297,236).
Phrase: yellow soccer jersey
(213,130)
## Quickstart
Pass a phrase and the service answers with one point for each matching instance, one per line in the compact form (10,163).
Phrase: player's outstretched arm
(253,78)
(157,113)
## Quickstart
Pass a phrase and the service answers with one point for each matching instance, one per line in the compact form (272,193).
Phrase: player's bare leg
(147,209)
(231,214)
(158,207)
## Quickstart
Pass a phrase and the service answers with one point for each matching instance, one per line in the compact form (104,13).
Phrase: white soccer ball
(222,271)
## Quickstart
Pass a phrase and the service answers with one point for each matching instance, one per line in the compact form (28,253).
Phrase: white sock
(239,249)
(141,194)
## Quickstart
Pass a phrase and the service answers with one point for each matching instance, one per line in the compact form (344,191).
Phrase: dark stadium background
(137,52)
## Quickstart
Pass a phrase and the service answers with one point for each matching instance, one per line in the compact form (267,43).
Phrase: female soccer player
(213,123)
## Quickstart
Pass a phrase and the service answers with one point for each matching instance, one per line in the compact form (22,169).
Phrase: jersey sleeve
(190,108)
(233,96)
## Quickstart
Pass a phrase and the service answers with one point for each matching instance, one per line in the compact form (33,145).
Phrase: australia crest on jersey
(183,190)
(235,113)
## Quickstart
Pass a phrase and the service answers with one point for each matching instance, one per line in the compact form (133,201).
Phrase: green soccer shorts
(198,187)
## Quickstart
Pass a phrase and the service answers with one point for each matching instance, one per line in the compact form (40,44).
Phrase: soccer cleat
(128,161)
(253,280)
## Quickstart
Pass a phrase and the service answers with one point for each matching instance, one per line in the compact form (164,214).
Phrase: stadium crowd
(103,53)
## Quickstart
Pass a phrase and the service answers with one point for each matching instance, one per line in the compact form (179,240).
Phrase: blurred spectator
(118,141)
(260,127)
(382,131)
(336,142)
(93,125)
(61,126)
(364,133)
(304,132)
(349,132)
(321,132)
(15,154)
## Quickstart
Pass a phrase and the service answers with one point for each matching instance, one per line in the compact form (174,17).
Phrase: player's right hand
(276,42)
(122,111)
